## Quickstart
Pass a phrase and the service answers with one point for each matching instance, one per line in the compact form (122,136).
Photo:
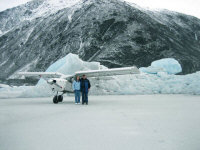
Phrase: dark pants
(84,97)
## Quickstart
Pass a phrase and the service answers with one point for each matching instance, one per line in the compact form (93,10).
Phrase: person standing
(77,87)
(85,87)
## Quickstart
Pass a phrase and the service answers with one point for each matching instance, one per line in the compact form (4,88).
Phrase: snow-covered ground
(142,122)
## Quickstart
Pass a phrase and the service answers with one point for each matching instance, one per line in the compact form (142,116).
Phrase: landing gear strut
(57,98)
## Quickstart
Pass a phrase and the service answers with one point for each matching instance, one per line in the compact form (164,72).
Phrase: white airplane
(63,83)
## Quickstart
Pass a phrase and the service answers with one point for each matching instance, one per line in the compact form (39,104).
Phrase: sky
(191,7)
(4,4)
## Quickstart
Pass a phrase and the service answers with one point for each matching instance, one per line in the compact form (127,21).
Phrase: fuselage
(60,85)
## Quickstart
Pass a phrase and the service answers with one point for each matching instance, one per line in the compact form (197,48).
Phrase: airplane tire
(60,98)
(55,100)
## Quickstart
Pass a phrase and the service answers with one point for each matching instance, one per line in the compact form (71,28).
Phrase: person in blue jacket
(76,86)
(85,87)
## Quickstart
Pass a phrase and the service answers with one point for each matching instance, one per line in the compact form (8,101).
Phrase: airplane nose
(50,81)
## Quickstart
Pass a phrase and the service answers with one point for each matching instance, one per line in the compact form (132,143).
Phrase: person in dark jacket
(85,87)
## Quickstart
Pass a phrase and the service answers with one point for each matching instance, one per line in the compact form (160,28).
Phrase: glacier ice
(151,70)
(160,82)
(168,65)
(4,86)
(71,63)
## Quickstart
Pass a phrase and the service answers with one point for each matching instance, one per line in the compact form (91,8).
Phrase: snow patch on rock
(51,6)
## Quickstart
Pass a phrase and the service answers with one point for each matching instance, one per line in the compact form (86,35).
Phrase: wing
(42,74)
(109,72)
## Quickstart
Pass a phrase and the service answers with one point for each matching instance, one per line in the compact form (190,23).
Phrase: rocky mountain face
(113,32)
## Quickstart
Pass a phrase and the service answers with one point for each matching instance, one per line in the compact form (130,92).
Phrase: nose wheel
(57,98)
(60,98)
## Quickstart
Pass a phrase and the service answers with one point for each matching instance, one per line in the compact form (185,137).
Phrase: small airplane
(63,83)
